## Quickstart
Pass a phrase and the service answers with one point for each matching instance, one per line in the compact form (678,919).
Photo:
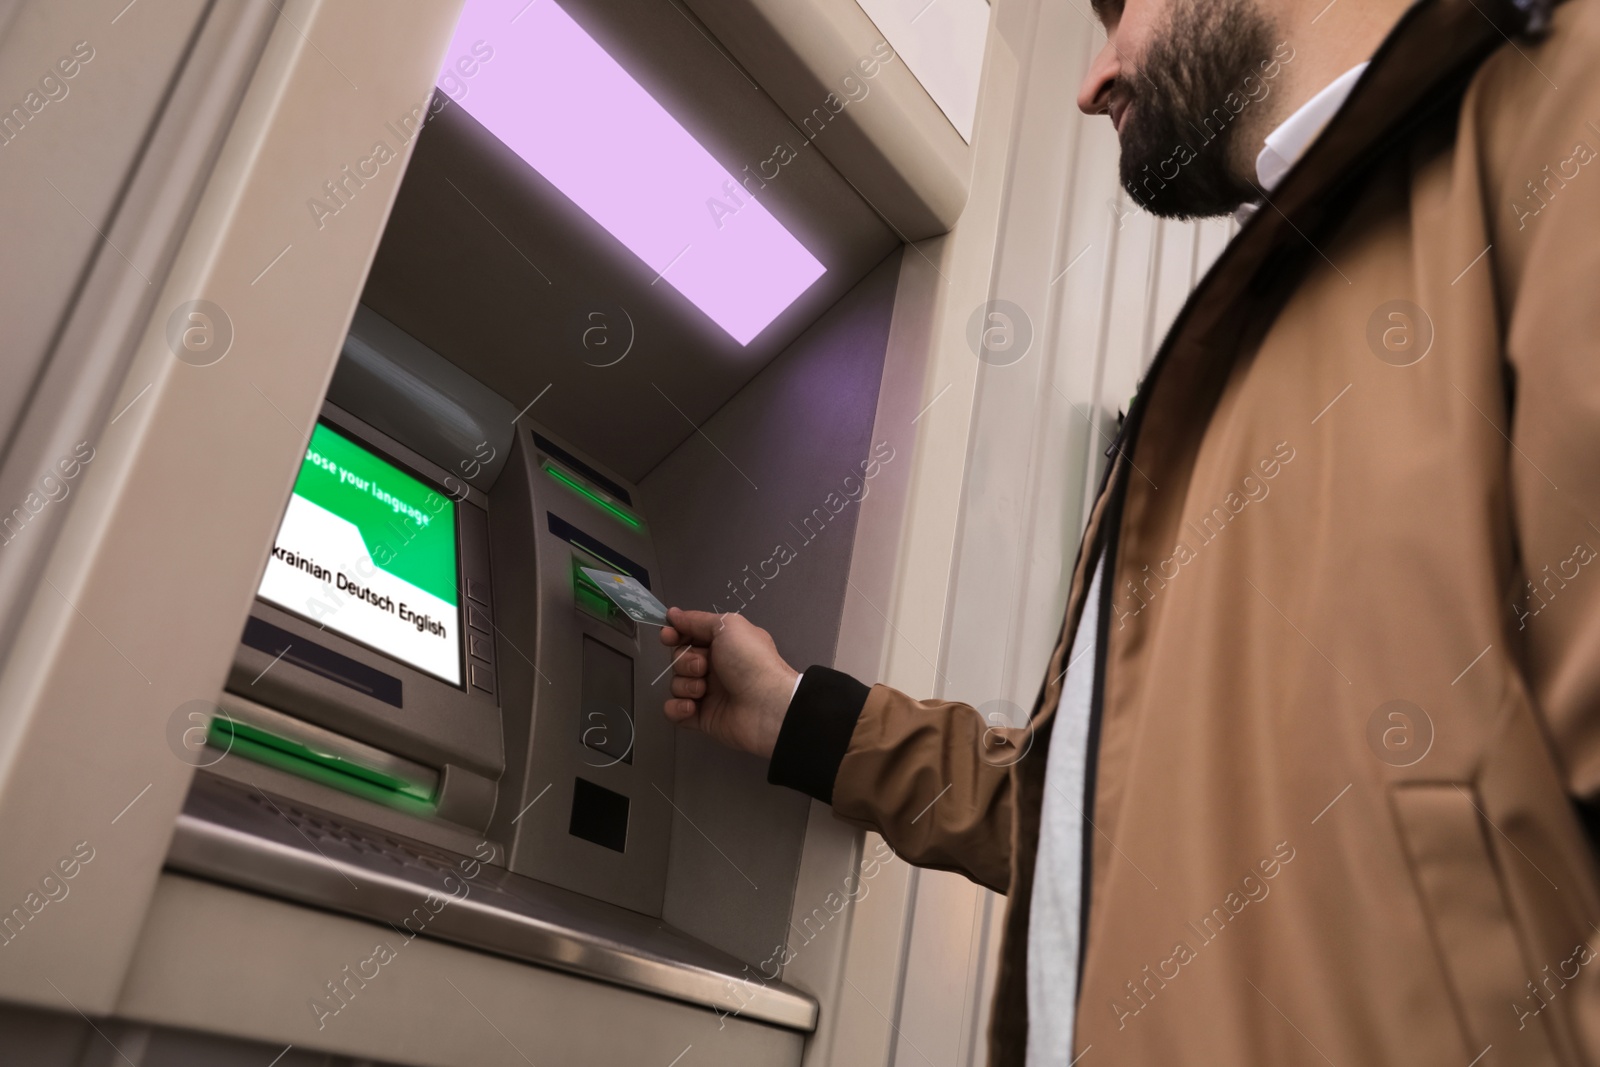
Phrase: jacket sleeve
(1546,261)
(931,776)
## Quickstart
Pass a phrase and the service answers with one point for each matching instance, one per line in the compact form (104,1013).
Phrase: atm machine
(433,762)
(436,718)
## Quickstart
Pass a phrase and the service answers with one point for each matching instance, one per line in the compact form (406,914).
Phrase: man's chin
(1178,161)
(1185,210)
(1172,190)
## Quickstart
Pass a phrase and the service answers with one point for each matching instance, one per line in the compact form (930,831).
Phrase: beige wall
(796,431)
(145,589)
(1008,460)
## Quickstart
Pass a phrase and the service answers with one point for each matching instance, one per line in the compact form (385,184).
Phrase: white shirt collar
(1294,135)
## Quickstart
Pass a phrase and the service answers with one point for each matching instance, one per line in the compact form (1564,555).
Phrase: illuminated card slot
(594,603)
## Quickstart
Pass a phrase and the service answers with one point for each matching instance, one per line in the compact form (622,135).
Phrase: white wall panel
(942,43)
(965,599)
(1099,282)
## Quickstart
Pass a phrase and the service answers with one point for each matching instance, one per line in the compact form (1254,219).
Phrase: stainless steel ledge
(246,837)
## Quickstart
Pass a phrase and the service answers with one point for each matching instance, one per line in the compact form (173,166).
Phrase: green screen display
(369,551)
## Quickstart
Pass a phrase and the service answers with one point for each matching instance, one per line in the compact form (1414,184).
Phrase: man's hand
(727,679)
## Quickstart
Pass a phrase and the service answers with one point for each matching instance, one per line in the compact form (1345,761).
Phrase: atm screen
(368,551)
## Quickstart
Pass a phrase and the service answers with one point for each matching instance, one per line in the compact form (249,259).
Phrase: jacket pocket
(1459,889)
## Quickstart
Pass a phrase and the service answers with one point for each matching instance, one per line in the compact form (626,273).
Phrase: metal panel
(50,1039)
(801,432)
(95,191)
(248,965)
(943,46)
(541,629)
(488,264)
(887,136)
(251,839)
(64,168)
(144,591)
(404,389)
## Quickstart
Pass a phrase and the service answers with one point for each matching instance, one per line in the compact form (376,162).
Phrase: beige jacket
(1348,724)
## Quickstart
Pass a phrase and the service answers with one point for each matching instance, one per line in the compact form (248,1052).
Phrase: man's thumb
(698,626)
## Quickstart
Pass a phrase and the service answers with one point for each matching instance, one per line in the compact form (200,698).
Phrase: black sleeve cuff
(816,732)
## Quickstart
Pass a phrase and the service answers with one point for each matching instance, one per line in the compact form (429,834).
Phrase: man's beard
(1207,50)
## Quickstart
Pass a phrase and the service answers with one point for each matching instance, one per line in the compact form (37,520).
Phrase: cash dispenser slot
(246,730)
(351,776)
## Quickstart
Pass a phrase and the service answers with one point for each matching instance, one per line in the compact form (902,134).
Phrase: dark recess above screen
(487,263)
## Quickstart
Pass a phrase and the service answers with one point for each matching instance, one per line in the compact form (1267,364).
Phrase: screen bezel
(438,724)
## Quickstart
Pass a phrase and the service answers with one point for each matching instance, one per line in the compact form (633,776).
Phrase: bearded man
(1311,781)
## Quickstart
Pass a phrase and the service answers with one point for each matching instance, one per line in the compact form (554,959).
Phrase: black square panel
(599,815)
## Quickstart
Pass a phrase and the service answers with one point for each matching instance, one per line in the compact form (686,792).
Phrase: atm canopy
(530,241)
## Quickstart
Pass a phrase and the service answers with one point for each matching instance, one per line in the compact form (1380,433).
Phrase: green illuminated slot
(599,500)
(256,744)
(594,602)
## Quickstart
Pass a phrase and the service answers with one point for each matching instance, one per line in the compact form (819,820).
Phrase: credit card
(637,602)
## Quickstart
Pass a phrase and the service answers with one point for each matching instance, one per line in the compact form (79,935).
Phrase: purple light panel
(543,86)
